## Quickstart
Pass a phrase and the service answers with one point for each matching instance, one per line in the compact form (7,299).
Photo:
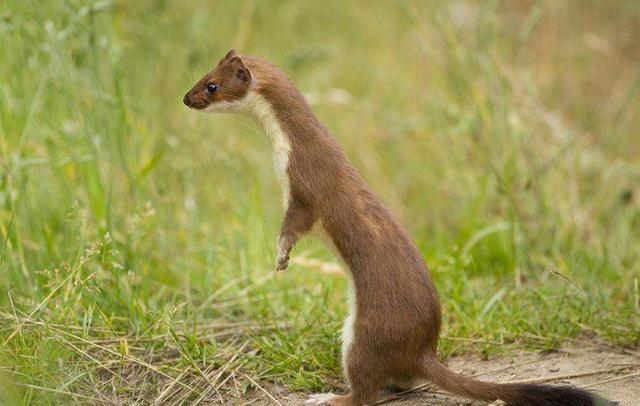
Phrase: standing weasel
(391,333)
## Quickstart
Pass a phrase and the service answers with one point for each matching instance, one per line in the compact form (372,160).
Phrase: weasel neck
(262,112)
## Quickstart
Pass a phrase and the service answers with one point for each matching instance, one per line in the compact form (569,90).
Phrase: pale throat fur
(259,108)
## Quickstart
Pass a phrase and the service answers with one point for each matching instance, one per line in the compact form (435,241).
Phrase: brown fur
(397,320)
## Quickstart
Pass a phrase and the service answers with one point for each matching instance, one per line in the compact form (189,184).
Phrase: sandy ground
(609,371)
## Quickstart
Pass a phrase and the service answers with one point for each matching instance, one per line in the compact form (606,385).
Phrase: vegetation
(138,238)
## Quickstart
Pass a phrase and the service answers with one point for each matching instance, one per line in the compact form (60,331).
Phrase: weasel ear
(232,52)
(241,71)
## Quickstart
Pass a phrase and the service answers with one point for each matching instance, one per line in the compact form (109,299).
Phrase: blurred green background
(137,237)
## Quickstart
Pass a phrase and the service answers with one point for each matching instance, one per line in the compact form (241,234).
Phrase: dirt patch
(612,372)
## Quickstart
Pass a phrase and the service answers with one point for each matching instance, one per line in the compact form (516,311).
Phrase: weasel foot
(321,399)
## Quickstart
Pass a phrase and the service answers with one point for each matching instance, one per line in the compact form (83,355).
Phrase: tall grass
(137,249)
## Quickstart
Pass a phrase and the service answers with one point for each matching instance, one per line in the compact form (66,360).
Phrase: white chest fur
(263,112)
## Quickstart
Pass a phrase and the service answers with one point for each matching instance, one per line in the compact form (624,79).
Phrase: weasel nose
(186,100)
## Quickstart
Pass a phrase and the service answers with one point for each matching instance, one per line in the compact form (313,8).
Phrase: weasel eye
(211,88)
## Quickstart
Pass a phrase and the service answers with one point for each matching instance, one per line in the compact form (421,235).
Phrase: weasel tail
(513,394)
(390,336)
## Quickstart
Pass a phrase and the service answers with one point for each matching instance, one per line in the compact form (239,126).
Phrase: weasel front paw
(282,262)
(285,243)
(282,259)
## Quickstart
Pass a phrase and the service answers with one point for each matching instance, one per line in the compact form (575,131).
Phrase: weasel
(391,333)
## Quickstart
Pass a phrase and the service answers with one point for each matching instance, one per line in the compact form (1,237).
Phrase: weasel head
(222,90)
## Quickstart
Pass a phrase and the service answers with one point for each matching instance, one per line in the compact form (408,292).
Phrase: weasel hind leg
(365,373)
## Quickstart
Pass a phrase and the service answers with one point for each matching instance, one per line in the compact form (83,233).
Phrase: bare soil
(611,372)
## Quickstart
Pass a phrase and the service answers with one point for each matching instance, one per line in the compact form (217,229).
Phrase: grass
(137,237)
